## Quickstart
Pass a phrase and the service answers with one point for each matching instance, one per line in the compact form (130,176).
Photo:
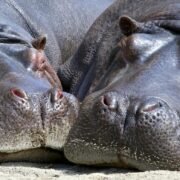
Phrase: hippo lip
(33,155)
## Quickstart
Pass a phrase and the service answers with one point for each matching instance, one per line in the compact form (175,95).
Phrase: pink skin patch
(18,93)
(41,66)
(58,95)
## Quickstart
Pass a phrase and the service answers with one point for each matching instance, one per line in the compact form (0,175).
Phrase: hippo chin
(131,117)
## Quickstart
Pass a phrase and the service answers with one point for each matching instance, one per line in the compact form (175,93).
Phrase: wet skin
(130,118)
(36,37)
(35,114)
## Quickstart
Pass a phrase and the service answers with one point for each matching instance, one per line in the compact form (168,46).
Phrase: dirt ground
(60,171)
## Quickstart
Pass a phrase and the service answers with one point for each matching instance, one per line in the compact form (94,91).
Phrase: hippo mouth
(27,135)
(42,155)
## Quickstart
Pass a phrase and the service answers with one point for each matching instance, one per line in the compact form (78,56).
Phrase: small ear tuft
(39,43)
(128,25)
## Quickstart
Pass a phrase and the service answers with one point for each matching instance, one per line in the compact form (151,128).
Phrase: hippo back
(64,22)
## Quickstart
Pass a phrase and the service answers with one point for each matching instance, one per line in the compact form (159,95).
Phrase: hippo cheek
(154,143)
(94,139)
(20,122)
(59,114)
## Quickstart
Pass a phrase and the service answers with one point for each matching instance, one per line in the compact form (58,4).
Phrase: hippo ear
(39,43)
(128,25)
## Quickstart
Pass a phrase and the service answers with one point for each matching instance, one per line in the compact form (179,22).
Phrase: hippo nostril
(110,101)
(150,105)
(58,95)
(18,93)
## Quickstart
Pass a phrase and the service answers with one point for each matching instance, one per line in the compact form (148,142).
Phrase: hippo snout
(130,112)
(111,105)
(60,111)
(34,116)
(118,128)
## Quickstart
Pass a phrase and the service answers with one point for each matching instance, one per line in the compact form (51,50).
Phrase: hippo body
(126,73)
(64,22)
(35,115)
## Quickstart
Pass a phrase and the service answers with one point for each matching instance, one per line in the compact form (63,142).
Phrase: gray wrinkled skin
(34,121)
(64,22)
(130,118)
(35,117)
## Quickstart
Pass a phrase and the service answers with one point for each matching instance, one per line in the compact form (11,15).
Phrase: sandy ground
(48,171)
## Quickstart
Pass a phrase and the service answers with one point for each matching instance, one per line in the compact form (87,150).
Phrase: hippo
(36,37)
(126,75)
(31,94)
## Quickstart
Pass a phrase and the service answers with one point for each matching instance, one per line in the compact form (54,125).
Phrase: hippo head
(133,119)
(35,115)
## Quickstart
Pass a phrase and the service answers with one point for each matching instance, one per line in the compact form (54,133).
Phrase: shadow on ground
(70,171)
